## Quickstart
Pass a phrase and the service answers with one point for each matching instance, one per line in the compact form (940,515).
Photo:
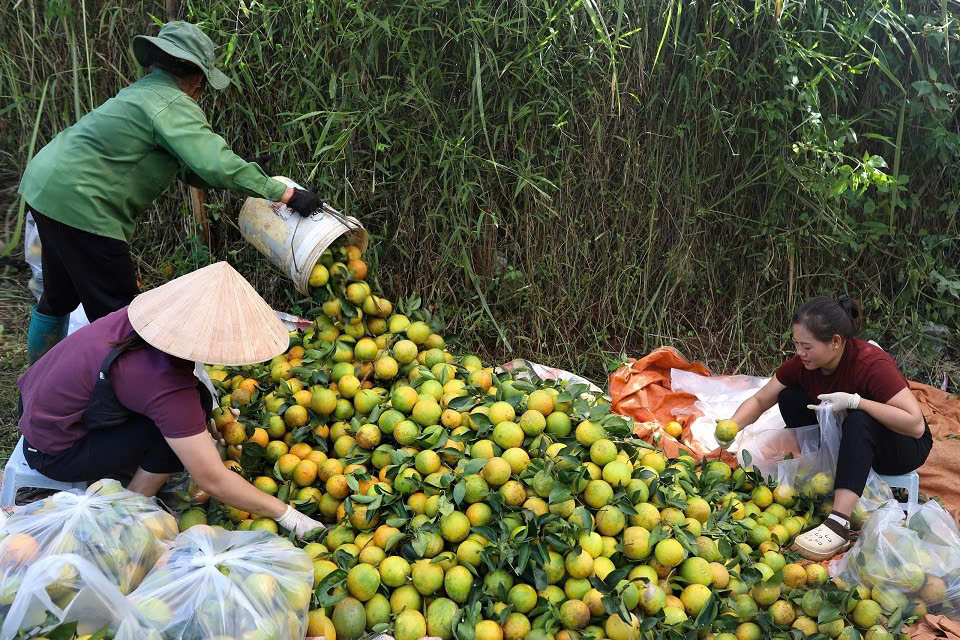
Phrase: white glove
(838,401)
(300,524)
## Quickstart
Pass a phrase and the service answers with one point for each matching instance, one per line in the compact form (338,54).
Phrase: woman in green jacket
(86,188)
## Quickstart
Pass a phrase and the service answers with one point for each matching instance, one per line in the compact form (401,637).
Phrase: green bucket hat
(184,41)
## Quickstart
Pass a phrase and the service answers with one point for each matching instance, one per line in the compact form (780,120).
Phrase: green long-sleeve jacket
(101,173)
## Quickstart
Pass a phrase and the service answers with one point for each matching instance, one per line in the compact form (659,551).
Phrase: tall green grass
(571,180)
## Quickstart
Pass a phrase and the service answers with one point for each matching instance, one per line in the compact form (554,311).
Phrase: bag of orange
(120,532)
(217,584)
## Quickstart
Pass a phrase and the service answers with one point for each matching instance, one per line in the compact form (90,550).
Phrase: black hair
(162,60)
(826,317)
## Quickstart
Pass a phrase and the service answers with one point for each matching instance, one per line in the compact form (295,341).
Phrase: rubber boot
(45,332)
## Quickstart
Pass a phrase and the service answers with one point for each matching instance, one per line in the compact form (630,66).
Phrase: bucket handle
(328,210)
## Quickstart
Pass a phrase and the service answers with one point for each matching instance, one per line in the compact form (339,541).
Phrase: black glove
(306,203)
(263,161)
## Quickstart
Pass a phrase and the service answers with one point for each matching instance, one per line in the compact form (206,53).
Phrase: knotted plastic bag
(935,526)
(908,564)
(120,532)
(875,494)
(66,589)
(251,585)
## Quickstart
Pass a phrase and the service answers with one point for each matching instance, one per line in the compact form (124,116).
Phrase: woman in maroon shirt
(884,428)
(119,396)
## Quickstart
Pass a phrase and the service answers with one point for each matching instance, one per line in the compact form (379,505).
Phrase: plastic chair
(18,475)
(909,481)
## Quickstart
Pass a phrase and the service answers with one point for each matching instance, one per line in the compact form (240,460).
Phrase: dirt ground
(16,302)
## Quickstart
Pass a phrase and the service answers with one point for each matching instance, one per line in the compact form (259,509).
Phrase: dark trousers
(81,267)
(864,442)
(114,452)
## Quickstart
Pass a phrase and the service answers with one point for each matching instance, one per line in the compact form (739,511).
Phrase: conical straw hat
(212,316)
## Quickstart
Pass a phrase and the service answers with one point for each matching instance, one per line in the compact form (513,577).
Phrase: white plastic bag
(238,584)
(904,568)
(31,253)
(532,370)
(718,398)
(804,458)
(875,494)
(120,532)
(66,588)
(936,526)
(78,320)
(200,371)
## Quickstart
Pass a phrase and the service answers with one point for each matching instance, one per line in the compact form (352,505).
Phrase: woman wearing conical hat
(119,396)
(87,187)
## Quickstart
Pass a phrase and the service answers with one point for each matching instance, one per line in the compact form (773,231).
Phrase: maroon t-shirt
(56,389)
(864,369)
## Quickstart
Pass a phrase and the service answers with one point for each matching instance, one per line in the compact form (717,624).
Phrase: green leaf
(65,631)
(481,421)
(686,540)
(659,533)
(299,434)
(539,578)
(523,557)
(559,494)
(445,507)
(459,491)
(253,450)
(923,87)
(463,403)
(99,635)
(313,534)
(393,541)
(352,483)
(751,576)
(523,385)
(576,390)
(487,532)
(709,612)
(331,581)
(474,466)
(420,543)
(895,618)
(610,604)
(828,613)
(465,631)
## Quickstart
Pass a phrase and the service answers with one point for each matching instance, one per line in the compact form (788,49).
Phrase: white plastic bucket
(294,243)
